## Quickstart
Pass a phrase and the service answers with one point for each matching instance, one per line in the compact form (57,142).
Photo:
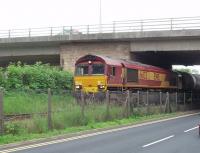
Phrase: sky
(45,13)
(19,14)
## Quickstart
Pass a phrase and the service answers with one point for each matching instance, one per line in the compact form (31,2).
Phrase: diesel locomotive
(96,73)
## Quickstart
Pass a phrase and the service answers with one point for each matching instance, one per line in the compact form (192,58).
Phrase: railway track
(12,117)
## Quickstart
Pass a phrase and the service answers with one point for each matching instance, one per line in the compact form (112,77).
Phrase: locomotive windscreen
(81,70)
(97,69)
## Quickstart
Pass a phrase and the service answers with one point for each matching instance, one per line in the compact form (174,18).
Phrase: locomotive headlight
(101,86)
(78,86)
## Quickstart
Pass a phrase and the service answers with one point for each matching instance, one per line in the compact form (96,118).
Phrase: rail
(170,24)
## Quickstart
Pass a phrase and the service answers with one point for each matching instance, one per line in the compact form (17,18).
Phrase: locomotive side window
(81,70)
(97,69)
(113,71)
(132,75)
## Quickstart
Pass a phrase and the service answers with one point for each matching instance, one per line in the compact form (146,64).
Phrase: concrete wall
(166,45)
(71,52)
(29,50)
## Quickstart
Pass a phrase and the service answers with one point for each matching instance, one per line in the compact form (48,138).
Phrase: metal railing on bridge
(184,23)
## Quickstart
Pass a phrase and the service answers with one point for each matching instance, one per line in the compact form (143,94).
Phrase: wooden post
(125,114)
(167,102)
(131,103)
(138,98)
(49,110)
(1,113)
(184,100)
(82,104)
(191,101)
(128,103)
(108,104)
(160,96)
(169,105)
(147,101)
(176,101)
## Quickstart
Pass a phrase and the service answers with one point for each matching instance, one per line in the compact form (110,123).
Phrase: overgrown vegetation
(65,112)
(67,115)
(16,133)
(37,76)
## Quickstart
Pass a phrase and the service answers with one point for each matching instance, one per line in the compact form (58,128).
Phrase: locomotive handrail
(162,24)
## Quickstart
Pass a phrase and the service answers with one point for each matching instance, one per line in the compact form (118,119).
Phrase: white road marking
(191,129)
(152,143)
(89,135)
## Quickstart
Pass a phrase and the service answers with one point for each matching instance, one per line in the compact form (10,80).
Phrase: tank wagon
(95,73)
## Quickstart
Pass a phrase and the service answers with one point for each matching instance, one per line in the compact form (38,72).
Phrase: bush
(12,128)
(37,76)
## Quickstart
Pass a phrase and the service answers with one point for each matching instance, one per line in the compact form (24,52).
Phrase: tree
(187,70)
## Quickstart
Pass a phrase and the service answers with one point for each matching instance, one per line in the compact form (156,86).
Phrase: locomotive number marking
(156,77)
(143,75)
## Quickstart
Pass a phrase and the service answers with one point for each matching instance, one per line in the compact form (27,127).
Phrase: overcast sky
(45,13)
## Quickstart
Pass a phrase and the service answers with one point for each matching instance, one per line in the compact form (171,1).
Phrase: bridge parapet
(129,26)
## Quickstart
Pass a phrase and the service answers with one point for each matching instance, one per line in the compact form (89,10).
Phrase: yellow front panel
(90,83)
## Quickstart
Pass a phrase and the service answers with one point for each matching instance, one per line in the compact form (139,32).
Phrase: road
(172,136)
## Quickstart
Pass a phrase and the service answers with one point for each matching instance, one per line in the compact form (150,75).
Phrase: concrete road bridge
(162,42)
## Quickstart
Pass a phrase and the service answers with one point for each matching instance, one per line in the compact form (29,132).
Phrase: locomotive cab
(90,74)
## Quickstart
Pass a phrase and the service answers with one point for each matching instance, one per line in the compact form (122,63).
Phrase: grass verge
(134,119)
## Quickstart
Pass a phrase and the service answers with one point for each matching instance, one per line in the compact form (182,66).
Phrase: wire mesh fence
(58,109)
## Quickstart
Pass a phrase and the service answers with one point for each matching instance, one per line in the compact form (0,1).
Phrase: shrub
(37,76)
(12,128)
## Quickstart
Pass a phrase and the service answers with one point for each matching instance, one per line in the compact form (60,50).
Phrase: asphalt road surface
(173,136)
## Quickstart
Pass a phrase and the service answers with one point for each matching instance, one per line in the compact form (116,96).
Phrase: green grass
(67,116)
(23,136)
(19,102)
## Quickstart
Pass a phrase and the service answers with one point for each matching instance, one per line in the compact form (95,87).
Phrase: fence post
(49,110)
(108,104)
(138,98)
(184,100)
(128,103)
(160,96)
(124,113)
(1,113)
(82,104)
(169,105)
(147,101)
(191,101)
(167,102)
(176,101)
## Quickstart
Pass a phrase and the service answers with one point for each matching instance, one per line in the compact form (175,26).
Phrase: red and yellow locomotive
(94,73)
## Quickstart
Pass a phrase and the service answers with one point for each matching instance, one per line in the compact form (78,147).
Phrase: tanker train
(94,73)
